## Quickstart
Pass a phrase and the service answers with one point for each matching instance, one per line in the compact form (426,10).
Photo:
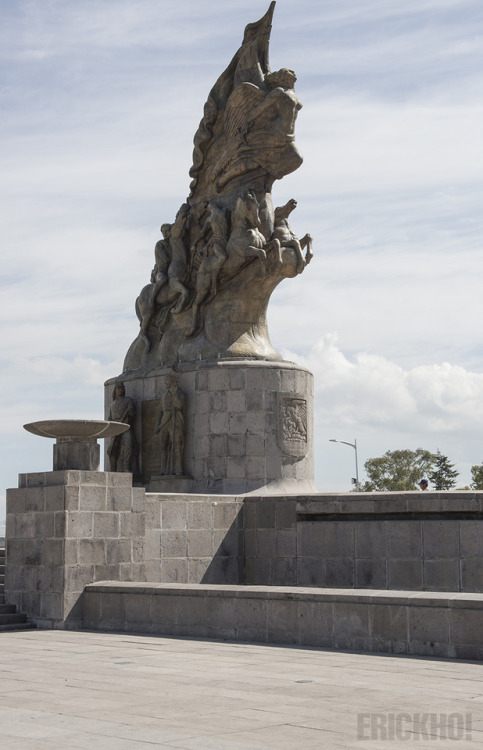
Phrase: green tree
(477,477)
(443,476)
(397,470)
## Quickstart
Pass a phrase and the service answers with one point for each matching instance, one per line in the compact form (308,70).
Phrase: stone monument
(239,416)
(206,409)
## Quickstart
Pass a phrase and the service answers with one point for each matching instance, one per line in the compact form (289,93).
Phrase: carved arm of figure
(163,419)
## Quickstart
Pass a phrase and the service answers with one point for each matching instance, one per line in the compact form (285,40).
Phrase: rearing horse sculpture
(245,240)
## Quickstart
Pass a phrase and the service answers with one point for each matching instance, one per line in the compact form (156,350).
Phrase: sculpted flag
(227,249)
(247,135)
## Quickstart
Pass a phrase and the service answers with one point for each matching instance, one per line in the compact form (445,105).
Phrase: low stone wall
(429,541)
(66,530)
(406,541)
(429,624)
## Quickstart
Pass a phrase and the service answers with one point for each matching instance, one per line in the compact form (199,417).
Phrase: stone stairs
(10,619)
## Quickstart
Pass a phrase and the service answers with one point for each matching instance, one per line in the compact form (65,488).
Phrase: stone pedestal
(72,453)
(66,529)
(248,426)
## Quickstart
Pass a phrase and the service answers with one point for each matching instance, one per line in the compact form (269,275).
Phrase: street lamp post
(352,445)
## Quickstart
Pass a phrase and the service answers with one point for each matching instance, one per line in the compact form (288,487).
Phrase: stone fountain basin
(86,429)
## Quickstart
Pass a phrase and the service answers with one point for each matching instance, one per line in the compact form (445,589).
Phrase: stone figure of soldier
(170,426)
(122,449)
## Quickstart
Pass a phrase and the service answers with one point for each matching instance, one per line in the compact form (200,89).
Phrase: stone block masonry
(66,529)
(69,530)
(408,541)
(248,426)
(194,538)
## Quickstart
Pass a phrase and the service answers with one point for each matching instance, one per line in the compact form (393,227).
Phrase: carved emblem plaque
(292,424)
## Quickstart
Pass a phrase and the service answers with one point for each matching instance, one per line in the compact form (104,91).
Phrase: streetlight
(352,445)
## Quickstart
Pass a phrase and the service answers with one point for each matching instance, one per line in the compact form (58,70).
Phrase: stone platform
(84,690)
(419,554)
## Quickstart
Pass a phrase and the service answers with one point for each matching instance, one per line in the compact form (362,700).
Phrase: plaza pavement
(61,689)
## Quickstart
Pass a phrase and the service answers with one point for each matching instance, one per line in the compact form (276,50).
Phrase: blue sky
(100,101)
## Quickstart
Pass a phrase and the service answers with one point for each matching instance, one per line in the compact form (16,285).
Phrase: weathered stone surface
(227,450)
(430,625)
(76,447)
(123,451)
(67,535)
(262,540)
(228,248)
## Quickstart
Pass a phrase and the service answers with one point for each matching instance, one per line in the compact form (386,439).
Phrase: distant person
(423,485)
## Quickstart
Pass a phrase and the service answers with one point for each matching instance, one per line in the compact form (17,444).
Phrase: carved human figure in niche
(170,426)
(122,450)
(216,227)
(260,121)
(287,238)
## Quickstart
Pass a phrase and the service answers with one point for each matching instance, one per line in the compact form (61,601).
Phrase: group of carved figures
(226,240)
(123,450)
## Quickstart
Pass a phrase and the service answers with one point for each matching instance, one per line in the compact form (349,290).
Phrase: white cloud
(387,407)
(369,390)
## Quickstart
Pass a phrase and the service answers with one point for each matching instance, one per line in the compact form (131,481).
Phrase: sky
(100,101)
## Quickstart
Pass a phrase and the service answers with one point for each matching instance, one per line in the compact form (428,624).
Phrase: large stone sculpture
(248,414)
(227,250)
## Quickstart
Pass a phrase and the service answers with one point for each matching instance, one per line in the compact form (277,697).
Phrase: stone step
(6,609)
(10,619)
(13,618)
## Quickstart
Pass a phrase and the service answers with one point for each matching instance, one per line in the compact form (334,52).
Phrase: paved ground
(67,690)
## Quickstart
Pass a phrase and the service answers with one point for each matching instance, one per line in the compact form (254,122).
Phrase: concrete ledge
(373,505)
(446,624)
